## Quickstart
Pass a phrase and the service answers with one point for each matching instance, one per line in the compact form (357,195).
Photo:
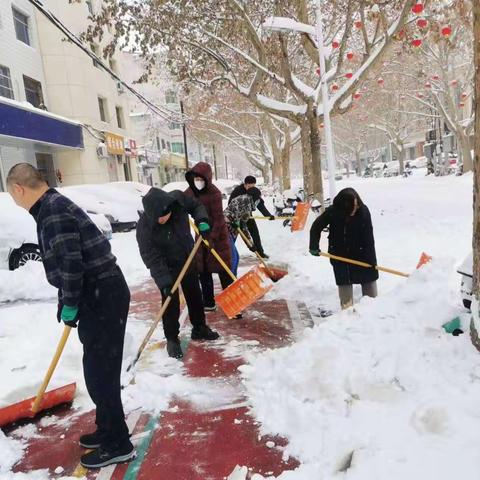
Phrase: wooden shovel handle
(214,253)
(363,264)
(249,244)
(51,369)
(166,303)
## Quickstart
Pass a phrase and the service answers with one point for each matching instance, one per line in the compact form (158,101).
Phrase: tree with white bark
(233,44)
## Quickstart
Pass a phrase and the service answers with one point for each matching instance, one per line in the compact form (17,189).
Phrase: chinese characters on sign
(115,145)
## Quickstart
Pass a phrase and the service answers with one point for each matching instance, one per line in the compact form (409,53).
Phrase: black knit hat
(249,180)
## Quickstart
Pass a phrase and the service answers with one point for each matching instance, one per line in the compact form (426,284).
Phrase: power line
(166,114)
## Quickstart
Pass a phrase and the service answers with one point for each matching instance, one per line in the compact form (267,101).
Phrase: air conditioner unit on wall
(102,150)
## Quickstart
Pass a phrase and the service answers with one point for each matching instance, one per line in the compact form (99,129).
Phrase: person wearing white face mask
(201,187)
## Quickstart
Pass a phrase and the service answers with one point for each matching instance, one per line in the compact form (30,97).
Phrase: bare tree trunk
(401,157)
(286,183)
(358,163)
(306,157)
(316,147)
(476,163)
(464,145)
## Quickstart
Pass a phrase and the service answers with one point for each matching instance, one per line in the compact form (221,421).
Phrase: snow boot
(264,255)
(204,333)
(90,440)
(174,349)
(101,457)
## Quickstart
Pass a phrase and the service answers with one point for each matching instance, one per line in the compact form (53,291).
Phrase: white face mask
(199,184)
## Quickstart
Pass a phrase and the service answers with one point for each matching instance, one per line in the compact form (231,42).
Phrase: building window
(158,143)
(102,107)
(21,26)
(164,146)
(33,92)
(178,147)
(6,89)
(170,96)
(119,113)
(168,147)
(175,126)
(94,48)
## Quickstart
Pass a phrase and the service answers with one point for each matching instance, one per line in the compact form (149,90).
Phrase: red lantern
(461,104)
(454,83)
(350,55)
(435,77)
(358,24)
(318,70)
(335,44)
(422,23)
(419,95)
(428,85)
(446,31)
(357,95)
(417,8)
(380,81)
(335,87)
(402,97)
(321,125)
(416,42)
(401,33)
(349,75)
(464,95)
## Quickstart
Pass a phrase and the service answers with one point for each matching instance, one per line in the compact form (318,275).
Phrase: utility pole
(326,105)
(226,166)
(214,161)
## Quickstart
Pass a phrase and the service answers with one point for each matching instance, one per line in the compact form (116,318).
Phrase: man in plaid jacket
(92,293)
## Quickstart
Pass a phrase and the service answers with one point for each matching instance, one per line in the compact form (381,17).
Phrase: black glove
(166,291)
(271,217)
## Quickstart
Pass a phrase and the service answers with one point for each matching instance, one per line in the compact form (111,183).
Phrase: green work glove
(235,225)
(204,228)
(69,316)
(315,253)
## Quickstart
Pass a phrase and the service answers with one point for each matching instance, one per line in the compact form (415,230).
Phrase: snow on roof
(30,108)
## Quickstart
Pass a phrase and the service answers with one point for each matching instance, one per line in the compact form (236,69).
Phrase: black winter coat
(350,237)
(165,248)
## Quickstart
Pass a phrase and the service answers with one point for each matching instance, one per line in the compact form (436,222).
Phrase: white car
(18,234)
(419,162)
(466,286)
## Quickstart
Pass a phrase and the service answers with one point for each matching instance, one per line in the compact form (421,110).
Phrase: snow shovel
(244,290)
(363,264)
(276,273)
(299,220)
(166,303)
(30,407)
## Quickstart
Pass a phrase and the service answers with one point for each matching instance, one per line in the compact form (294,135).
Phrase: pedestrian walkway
(182,443)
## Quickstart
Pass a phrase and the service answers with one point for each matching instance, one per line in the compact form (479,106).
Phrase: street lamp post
(326,104)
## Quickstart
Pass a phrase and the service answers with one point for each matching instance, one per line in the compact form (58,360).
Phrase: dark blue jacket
(73,248)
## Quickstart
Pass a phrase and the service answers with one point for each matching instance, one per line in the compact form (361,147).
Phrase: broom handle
(259,217)
(250,245)
(51,369)
(214,253)
(166,303)
(363,264)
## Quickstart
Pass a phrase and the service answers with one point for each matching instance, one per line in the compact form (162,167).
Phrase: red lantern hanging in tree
(380,81)
(358,24)
(422,23)
(317,71)
(461,104)
(321,125)
(350,55)
(349,75)
(428,85)
(435,77)
(357,95)
(417,42)
(464,95)
(417,8)
(335,87)
(335,44)
(454,83)
(419,95)
(446,31)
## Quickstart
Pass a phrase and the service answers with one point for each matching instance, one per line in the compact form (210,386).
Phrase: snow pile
(26,283)
(381,389)
(16,224)
(12,451)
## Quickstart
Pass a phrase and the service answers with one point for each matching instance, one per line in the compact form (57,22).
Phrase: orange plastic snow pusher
(44,400)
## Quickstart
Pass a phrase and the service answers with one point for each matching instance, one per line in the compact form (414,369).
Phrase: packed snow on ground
(379,391)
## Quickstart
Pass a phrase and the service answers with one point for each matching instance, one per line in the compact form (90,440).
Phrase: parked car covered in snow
(419,162)
(466,286)
(18,234)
